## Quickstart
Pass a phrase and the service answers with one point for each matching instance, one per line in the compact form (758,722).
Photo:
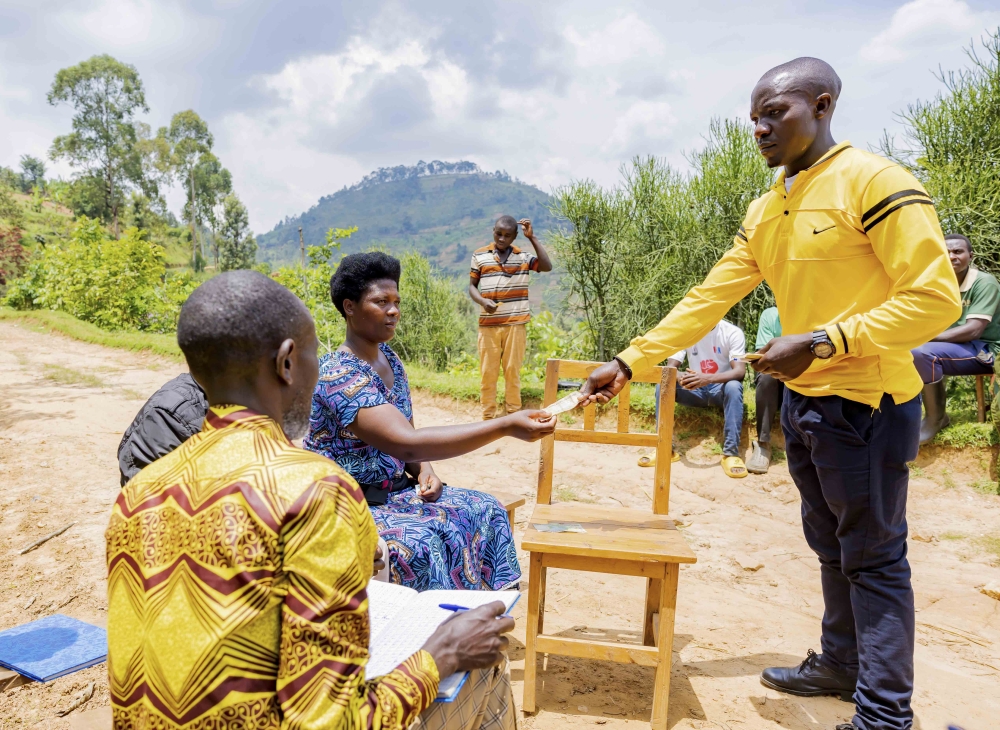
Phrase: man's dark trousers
(849,462)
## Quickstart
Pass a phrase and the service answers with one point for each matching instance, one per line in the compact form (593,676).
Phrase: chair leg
(536,586)
(665,643)
(543,574)
(653,590)
(510,519)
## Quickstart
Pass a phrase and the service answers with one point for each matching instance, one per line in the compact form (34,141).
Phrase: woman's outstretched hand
(530,425)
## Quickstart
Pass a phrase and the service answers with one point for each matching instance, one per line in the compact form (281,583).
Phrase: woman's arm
(387,429)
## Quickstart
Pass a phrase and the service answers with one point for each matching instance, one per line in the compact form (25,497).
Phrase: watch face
(822,350)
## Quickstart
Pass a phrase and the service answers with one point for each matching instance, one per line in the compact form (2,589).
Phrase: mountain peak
(445,210)
(424,169)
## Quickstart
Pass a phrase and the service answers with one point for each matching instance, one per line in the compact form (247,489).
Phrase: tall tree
(237,246)
(106,95)
(213,184)
(32,173)
(193,167)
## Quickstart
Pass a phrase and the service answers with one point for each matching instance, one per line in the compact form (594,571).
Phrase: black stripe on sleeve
(843,337)
(894,208)
(742,234)
(895,196)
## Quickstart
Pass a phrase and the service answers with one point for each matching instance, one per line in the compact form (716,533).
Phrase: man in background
(969,346)
(768,394)
(171,416)
(714,379)
(498,283)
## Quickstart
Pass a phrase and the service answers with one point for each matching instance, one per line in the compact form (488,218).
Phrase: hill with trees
(441,210)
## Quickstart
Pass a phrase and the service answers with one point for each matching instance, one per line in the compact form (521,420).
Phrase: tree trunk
(194,235)
(109,189)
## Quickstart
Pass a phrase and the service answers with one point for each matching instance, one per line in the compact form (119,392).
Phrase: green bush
(436,321)
(952,144)
(312,285)
(115,284)
(632,252)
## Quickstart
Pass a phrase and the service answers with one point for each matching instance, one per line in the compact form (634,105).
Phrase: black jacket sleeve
(170,417)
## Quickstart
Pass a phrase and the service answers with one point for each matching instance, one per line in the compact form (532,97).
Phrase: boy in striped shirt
(498,283)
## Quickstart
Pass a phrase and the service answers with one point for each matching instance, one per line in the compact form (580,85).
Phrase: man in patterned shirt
(498,283)
(238,563)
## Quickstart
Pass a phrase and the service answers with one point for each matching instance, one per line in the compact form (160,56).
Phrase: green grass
(464,384)
(952,536)
(44,320)
(970,434)
(989,544)
(947,479)
(985,485)
(68,376)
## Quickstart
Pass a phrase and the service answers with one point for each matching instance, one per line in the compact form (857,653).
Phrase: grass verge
(68,376)
(44,320)
(461,385)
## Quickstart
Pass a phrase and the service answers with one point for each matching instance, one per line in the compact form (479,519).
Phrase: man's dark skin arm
(967,332)
(544,262)
(488,304)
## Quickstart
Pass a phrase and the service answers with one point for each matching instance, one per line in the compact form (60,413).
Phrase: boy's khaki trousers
(501,347)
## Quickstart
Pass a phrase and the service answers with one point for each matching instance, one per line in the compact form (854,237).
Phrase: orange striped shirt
(505,283)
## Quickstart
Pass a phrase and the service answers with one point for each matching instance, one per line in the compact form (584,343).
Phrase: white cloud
(643,125)
(304,98)
(921,25)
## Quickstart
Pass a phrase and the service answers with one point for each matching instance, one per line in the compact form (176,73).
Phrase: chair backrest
(661,440)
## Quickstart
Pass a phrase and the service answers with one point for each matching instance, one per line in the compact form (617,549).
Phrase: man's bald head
(235,319)
(809,76)
(791,107)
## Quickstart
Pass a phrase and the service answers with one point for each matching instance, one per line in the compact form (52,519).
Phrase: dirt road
(64,405)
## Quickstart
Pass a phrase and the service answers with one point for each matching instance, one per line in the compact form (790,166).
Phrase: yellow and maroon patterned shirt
(237,568)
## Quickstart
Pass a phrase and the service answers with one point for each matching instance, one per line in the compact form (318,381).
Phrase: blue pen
(453,607)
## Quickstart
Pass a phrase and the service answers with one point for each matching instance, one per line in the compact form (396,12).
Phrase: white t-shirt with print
(716,350)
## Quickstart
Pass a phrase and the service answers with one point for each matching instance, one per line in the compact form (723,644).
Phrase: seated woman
(362,418)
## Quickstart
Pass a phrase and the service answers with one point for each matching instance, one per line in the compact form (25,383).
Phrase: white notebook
(402,620)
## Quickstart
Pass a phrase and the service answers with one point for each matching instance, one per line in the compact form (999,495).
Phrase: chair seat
(509,501)
(615,534)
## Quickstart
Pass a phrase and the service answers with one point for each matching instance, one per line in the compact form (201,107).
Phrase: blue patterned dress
(461,541)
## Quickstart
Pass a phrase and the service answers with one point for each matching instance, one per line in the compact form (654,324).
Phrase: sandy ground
(64,405)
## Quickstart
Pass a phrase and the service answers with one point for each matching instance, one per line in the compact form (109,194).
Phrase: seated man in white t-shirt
(714,379)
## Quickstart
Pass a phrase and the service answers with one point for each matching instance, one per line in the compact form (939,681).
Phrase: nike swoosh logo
(822,229)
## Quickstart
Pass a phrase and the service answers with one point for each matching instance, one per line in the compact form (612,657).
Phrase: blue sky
(305,97)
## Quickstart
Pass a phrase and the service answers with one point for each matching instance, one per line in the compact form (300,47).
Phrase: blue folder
(52,647)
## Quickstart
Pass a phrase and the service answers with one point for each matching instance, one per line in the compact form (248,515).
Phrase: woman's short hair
(357,272)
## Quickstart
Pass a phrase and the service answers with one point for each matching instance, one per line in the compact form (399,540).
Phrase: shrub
(436,321)
(635,250)
(13,256)
(115,284)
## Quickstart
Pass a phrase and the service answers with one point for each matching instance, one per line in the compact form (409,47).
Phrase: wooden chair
(980,399)
(510,503)
(615,540)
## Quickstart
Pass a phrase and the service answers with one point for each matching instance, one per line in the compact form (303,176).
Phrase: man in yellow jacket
(851,247)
